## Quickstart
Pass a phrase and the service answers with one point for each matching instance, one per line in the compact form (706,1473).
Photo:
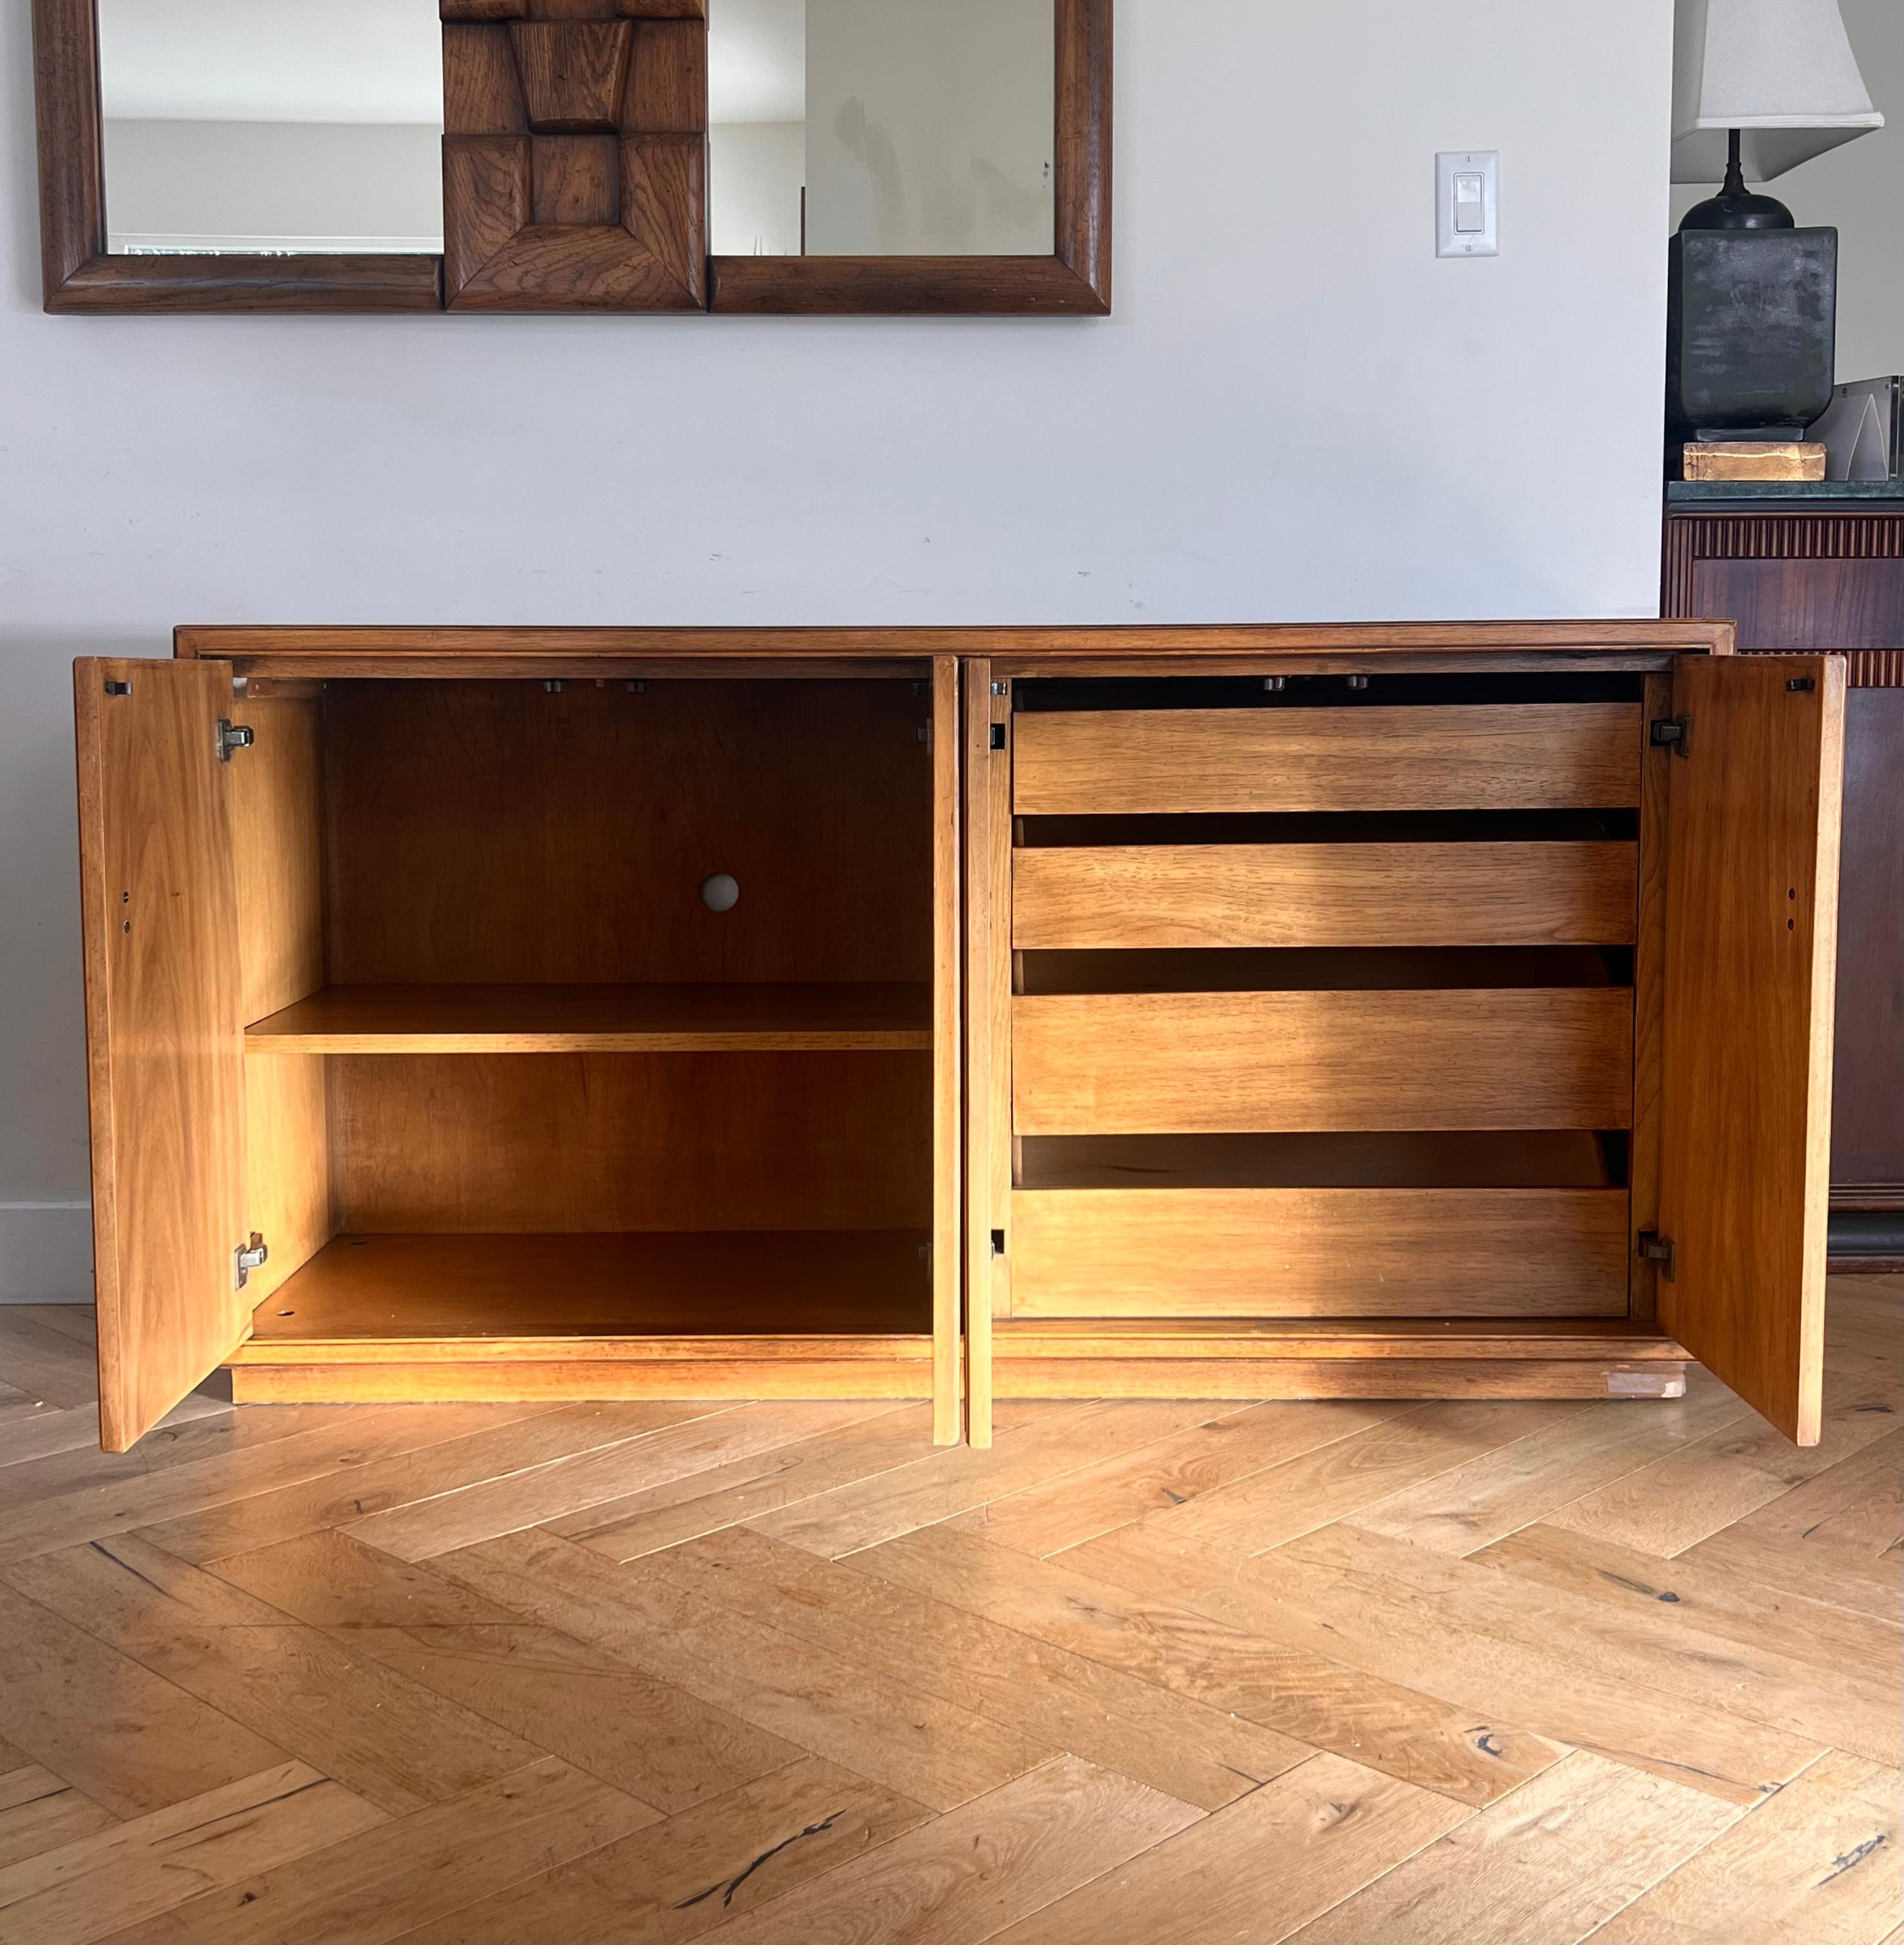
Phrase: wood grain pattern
(467,824)
(1751,901)
(1193,1063)
(476,1143)
(1323,894)
(310,650)
(1256,1690)
(1074,279)
(993,1140)
(1458,756)
(77,274)
(163,996)
(1318,1252)
(574,173)
(390,1290)
(600,1019)
(277,863)
(948,1074)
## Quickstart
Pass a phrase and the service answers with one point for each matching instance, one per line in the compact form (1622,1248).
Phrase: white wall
(1860,186)
(929,127)
(1296,412)
(349,185)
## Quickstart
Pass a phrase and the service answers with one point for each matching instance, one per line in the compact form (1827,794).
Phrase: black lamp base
(1736,207)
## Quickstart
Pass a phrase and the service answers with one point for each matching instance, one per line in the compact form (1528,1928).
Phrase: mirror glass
(881,127)
(271,127)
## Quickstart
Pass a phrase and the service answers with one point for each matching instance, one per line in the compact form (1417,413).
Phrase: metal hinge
(998,735)
(998,1242)
(232,736)
(924,732)
(246,1257)
(1672,733)
(1655,1248)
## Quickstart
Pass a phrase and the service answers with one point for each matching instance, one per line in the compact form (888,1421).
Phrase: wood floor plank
(336,1497)
(864,1513)
(372,1886)
(709,1435)
(48,1365)
(1543,1867)
(1268,1508)
(102,1883)
(1821,1864)
(349,1437)
(40,1811)
(962,1879)
(131,1740)
(676,1880)
(1649,1647)
(1232,1445)
(385,1737)
(1716,1602)
(1688,1495)
(933,1752)
(70,1320)
(683,1509)
(647,1738)
(1256,1870)
(1457,1645)
(1831,1539)
(179,1441)
(1182,1747)
(1458,1511)
(44,1432)
(1312,1697)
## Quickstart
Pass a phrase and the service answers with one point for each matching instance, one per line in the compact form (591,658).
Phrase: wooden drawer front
(1579,755)
(1318,1252)
(1295,895)
(1217,1063)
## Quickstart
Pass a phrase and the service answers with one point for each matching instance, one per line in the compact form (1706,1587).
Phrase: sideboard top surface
(330,652)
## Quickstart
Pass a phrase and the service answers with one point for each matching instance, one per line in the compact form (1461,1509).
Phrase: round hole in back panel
(720,893)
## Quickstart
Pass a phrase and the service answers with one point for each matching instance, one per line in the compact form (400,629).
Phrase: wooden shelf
(457,1297)
(734,1018)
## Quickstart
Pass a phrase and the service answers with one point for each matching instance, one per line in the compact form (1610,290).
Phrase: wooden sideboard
(1388,1012)
(1806,573)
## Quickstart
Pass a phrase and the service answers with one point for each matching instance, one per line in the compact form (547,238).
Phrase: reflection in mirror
(271,126)
(881,127)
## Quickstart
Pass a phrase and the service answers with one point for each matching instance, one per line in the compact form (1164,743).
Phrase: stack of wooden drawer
(1322,1006)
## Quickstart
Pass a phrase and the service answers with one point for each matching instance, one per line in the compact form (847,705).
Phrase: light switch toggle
(1467,203)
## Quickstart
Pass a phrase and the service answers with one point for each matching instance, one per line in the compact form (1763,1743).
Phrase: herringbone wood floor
(1350,1675)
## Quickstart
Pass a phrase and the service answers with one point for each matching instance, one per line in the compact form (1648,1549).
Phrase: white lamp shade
(1781,71)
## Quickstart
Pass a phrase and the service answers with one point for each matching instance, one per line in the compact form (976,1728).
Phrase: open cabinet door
(1751,927)
(165,1033)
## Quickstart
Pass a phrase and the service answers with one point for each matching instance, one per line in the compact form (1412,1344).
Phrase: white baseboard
(46,1252)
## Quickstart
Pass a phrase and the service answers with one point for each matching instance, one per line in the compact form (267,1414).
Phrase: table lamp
(1759,86)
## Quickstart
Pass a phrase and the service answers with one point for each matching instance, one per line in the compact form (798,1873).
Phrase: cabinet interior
(1325,1000)
(507,1075)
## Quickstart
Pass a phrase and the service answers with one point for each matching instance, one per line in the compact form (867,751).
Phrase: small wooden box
(1752,459)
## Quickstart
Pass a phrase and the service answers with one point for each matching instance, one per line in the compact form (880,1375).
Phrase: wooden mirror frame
(548,209)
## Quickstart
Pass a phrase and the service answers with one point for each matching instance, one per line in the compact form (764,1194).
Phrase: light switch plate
(1467,202)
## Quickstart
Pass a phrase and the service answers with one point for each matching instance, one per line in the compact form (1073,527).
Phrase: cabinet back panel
(596,1142)
(495,832)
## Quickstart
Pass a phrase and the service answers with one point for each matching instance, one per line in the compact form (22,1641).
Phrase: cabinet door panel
(1751,923)
(165,1027)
